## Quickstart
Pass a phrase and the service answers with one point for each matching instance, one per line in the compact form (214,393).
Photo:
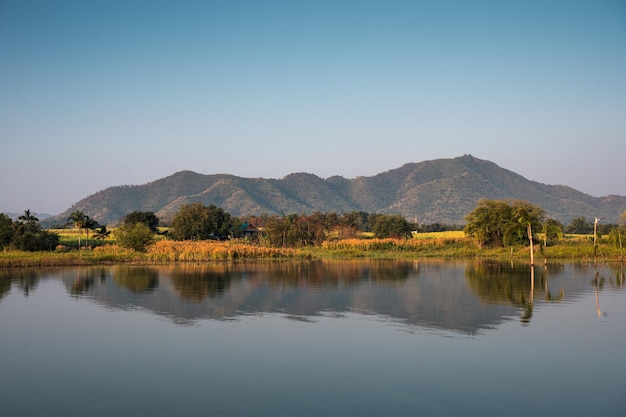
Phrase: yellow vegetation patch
(205,250)
(369,245)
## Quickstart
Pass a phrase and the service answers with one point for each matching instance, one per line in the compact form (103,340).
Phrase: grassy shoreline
(450,246)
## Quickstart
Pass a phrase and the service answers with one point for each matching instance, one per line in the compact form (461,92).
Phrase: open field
(452,234)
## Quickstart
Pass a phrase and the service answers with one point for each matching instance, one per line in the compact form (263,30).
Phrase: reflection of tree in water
(103,273)
(496,282)
(198,285)
(198,282)
(27,280)
(331,274)
(5,285)
(509,283)
(136,279)
(542,282)
(80,280)
(396,271)
(618,273)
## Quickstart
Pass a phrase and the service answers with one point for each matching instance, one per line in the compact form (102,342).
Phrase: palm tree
(89,224)
(102,233)
(29,219)
(78,219)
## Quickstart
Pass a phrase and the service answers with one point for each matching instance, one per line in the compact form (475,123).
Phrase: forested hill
(442,190)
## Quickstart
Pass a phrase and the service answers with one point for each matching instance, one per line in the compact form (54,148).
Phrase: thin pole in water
(530,238)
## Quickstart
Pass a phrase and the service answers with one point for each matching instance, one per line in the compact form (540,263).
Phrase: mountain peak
(441,190)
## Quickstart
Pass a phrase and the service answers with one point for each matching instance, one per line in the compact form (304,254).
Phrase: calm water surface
(382,338)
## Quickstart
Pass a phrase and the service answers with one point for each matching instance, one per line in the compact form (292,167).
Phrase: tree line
(199,222)
(501,223)
(493,223)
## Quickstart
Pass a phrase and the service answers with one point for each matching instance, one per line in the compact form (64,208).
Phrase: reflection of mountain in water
(463,297)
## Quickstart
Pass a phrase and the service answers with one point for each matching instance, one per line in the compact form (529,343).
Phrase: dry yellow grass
(172,251)
(369,245)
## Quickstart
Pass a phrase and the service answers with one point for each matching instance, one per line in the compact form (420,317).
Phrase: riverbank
(167,251)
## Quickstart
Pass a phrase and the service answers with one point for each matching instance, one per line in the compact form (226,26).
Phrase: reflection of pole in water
(596,280)
(532,284)
(528,308)
(598,303)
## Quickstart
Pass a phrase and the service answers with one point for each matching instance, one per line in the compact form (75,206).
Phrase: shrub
(136,237)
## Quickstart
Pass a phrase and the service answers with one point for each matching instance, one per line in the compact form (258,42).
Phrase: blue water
(313,339)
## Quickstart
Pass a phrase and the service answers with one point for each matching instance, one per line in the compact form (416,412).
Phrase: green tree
(78,219)
(89,224)
(29,220)
(319,226)
(136,237)
(147,217)
(552,230)
(393,225)
(487,222)
(617,235)
(526,220)
(199,222)
(35,241)
(579,226)
(28,235)
(82,222)
(496,223)
(295,230)
(287,230)
(7,230)
(352,223)
(102,233)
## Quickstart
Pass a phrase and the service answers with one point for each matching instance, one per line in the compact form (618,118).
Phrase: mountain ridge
(434,191)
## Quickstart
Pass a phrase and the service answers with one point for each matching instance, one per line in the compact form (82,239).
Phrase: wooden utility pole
(595,238)
(530,238)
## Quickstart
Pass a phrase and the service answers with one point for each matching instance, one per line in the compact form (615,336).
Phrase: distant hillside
(442,190)
(40,216)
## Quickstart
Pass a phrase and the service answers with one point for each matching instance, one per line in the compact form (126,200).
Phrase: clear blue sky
(101,93)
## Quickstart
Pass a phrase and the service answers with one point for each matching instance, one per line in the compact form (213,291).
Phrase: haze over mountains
(436,191)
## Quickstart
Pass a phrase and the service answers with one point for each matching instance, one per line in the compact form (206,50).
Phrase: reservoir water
(340,338)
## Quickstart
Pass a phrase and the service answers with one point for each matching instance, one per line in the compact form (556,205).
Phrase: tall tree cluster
(25,233)
(498,223)
(199,222)
(295,230)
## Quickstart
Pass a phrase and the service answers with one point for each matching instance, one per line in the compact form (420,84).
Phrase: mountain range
(436,191)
